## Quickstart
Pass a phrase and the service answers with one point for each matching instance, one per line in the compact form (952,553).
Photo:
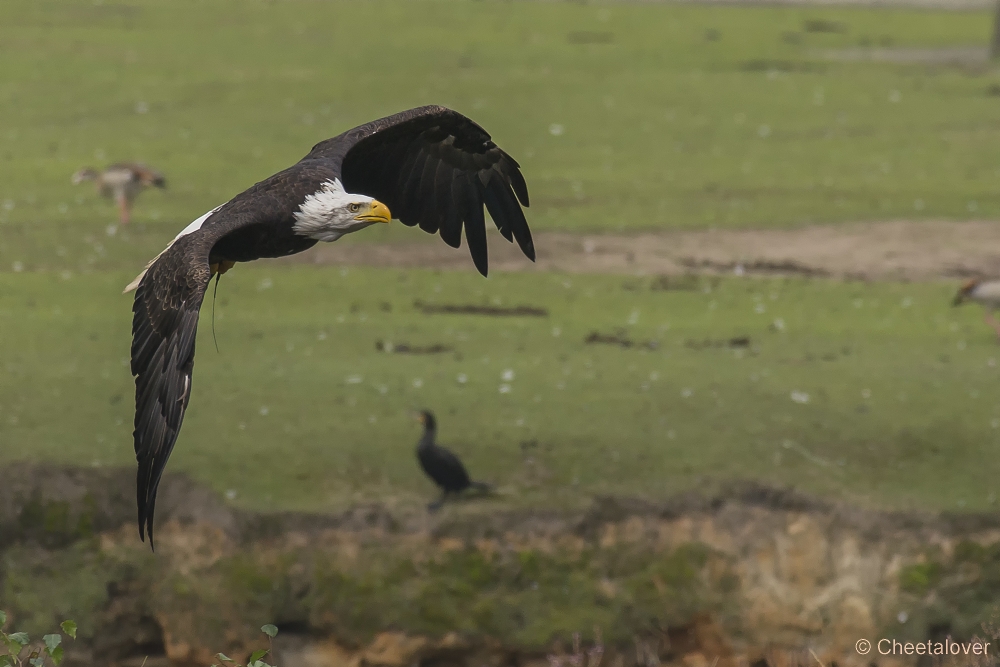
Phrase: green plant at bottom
(256,658)
(17,643)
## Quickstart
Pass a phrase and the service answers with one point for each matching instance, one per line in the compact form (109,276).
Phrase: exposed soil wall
(749,574)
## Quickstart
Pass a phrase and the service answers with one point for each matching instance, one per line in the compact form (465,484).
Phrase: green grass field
(878,393)
(624,117)
(667,115)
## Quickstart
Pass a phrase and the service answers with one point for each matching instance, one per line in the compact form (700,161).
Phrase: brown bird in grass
(984,292)
(122,182)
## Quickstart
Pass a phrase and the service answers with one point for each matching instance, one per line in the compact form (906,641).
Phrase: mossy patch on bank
(524,597)
(39,585)
(952,594)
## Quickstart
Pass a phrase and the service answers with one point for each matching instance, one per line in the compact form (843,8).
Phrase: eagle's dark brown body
(431,166)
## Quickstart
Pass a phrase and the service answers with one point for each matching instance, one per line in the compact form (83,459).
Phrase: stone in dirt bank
(747,575)
(899,250)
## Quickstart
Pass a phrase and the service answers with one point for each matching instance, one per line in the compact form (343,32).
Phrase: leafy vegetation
(19,650)
(256,658)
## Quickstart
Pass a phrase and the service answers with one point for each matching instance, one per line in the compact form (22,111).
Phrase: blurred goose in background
(984,292)
(122,182)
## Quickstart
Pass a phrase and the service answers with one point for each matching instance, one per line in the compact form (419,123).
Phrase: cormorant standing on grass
(441,465)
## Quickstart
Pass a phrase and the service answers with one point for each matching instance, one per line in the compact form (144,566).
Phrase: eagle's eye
(355,208)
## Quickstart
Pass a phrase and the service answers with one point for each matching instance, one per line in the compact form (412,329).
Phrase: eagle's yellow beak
(377,212)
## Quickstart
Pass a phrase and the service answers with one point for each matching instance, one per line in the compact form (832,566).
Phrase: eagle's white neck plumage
(323,214)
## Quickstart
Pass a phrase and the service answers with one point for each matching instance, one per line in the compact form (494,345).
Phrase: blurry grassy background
(624,117)
(878,393)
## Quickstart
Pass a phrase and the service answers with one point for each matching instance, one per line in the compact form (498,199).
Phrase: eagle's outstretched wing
(435,168)
(164,325)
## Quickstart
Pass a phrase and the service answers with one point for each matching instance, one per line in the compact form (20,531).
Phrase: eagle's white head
(331,212)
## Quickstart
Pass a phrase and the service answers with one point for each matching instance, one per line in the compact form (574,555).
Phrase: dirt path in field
(871,251)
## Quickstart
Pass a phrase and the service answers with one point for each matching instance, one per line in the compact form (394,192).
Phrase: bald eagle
(431,167)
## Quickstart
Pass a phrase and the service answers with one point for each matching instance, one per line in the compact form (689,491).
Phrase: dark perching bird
(441,465)
(430,166)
